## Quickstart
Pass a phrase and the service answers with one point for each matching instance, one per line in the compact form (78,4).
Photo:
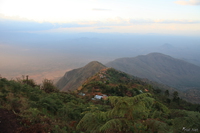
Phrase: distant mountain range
(74,78)
(160,68)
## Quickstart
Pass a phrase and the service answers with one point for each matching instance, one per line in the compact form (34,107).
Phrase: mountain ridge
(74,78)
(160,68)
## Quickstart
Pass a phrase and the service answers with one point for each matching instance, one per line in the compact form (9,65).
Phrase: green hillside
(132,106)
(74,78)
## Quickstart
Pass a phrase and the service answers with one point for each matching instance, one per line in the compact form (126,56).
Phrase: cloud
(8,25)
(23,26)
(178,21)
(190,2)
(163,21)
(141,21)
(103,28)
(100,9)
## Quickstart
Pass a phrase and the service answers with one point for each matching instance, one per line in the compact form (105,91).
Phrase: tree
(128,114)
(175,96)
(157,91)
(167,93)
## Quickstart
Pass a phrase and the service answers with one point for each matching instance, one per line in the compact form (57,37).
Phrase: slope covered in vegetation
(132,106)
(74,78)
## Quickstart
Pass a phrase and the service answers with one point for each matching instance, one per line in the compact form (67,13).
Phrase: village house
(98,97)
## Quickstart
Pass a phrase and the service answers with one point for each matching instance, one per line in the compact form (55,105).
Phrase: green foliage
(175,95)
(117,76)
(157,91)
(27,81)
(48,86)
(126,115)
(51,103)
(126,110)
(167,93)
(119,90)
(30,82)
(187,119)
(15,104)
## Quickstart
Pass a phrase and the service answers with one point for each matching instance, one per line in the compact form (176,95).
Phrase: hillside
(160,68)
(74,78)
(131,102)
(114,82)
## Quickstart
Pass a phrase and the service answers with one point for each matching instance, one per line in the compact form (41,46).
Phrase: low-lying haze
(33,53)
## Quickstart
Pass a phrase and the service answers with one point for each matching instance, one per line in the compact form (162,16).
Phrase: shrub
(48,86)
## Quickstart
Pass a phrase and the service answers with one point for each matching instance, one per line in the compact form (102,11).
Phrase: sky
(53,35)
(174,17)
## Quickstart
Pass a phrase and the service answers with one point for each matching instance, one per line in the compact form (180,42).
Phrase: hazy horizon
(54,36)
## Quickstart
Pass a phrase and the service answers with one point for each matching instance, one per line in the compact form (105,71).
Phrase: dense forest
(130,106)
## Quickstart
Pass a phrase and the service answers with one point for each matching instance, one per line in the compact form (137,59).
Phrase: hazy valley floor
(38,77)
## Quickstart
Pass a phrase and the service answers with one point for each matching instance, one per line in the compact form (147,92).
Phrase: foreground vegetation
(129,108)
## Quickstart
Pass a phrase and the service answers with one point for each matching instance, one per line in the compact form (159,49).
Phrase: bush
(48,86)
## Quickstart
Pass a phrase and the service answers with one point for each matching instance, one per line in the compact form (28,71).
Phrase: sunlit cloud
(177,21)
(188,2)
(141,21)
(104,28)
(23,26)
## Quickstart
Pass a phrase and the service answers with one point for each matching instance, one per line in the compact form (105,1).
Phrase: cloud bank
(117,24)
(190,2)
(15,25)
